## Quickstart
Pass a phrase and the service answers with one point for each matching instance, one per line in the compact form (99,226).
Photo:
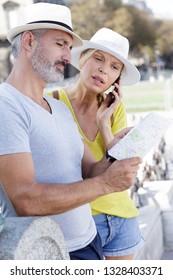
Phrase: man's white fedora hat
(111,42)
(44,15)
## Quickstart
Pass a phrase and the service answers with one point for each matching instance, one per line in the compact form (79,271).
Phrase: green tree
(135,24)
(89,16)
(145,34)
(164,41)
(112,5)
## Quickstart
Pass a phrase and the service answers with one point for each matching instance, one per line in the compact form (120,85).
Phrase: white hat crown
(44,15)
(112,40)
(44,12)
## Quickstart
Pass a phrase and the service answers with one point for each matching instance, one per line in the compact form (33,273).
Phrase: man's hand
(121,174)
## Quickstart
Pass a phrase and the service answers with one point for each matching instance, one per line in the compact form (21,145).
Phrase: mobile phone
(111,96)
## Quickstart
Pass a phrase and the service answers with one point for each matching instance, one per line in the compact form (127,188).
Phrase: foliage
(164,39)
(145,33)
(112,5)
(88,17)
(137,20)
(118,21)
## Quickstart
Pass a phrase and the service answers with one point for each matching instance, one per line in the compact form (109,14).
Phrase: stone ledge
(32,238)
(156,219)
(151,224)
(40,238)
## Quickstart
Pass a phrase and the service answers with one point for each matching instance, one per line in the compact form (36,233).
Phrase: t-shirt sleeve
(14,127)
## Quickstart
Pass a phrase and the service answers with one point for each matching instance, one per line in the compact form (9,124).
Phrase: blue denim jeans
(92,251)
(119,236)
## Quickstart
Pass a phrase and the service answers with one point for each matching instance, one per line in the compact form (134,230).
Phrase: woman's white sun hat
(111,42)
(44,15)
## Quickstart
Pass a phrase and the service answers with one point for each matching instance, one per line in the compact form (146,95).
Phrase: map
(142,137)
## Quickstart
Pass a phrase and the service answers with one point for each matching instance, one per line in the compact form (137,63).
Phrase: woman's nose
(102,70)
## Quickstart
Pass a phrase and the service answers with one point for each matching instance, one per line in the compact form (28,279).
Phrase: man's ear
(28,40)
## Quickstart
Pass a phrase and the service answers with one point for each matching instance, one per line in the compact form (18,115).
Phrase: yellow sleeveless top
(118,203)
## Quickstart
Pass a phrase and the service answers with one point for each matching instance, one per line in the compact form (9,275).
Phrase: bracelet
(109,158)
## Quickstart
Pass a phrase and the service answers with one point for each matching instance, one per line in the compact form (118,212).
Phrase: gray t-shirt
(57,151)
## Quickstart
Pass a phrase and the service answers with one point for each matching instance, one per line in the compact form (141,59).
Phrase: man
(43,160)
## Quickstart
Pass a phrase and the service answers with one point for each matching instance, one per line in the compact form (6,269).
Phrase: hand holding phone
(111,96)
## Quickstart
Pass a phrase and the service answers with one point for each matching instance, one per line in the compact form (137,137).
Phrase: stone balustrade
(156,219)
(32,238)
(40,238)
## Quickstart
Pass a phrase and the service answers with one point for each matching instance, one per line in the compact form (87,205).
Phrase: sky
(163,8)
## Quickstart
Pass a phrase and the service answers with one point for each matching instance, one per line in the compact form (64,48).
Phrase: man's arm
(36,198)
(31,198)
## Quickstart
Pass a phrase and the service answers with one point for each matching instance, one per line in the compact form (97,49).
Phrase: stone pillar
(32,238)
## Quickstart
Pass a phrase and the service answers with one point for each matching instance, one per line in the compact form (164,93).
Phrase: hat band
(52,22)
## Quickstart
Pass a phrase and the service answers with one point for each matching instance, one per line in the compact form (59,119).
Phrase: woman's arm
(104,116)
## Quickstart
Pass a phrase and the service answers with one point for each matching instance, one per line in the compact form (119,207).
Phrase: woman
(102,61)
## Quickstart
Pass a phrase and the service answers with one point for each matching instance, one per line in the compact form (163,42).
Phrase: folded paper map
(142,137)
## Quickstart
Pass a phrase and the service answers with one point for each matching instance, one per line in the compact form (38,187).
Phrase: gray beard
(44,69)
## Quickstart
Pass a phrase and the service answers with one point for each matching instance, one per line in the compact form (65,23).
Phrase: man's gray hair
(16,43)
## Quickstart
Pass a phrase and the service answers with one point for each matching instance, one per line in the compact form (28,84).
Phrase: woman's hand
(104,114)
(118,137)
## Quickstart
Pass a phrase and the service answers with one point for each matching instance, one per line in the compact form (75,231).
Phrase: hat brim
(77,41)
(130,74)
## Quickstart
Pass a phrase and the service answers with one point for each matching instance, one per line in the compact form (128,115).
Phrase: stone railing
(32,238)
(40,238)
(156,219)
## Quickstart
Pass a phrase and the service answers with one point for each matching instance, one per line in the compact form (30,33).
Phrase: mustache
(61,62)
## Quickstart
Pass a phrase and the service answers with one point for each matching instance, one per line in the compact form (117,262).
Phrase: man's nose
(66,56)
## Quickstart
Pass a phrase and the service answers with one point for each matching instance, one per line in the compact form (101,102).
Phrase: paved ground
(168,255)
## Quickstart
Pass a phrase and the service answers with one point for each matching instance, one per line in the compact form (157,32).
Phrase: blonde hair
(84,56)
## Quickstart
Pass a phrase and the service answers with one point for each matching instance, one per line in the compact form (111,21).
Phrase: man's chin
(57,79)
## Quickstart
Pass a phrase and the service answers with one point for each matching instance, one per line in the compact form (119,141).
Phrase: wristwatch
(110,158)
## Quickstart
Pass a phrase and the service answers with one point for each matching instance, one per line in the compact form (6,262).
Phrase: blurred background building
(8,15)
